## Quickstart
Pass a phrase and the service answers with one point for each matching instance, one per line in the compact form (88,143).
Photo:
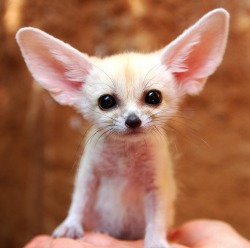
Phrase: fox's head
(130,93)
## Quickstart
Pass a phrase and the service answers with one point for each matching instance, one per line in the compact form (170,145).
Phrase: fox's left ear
(55,65)
(196,54)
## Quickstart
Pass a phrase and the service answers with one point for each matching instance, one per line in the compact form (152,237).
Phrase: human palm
(194,234)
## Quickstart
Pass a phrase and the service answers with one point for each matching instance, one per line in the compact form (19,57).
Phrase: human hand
(90,240)
(194,234)
(207,234)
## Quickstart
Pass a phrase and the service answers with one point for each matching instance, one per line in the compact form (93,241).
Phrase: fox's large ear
(196,54)
(56,66)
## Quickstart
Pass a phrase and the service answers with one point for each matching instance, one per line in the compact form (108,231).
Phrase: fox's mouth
(135,132)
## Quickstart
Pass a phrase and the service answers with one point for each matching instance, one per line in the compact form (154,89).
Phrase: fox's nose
(133,121)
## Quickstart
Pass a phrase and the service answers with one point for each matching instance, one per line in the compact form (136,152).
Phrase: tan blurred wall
(39,140)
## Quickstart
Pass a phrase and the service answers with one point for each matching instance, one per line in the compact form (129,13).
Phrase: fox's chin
(131,134)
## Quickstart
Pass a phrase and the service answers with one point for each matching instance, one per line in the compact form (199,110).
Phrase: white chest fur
(123,174)
(124,159)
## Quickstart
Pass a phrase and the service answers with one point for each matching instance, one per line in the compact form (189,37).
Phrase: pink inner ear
(196,54)
(203,59)
(58,67)
(53,75)
(77,85)
(193,65)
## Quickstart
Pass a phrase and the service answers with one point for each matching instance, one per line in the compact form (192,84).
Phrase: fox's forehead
(129,66)
(129,72)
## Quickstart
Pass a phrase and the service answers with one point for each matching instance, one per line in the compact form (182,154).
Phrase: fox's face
(128,94)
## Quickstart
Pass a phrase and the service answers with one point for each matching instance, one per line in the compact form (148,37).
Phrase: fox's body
(125,184)
(123,175)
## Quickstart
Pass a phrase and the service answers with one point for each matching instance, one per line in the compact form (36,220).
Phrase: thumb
(208,233)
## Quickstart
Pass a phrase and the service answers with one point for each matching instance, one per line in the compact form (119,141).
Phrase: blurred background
(40,141)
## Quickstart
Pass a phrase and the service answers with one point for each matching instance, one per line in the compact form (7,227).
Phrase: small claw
(69,229)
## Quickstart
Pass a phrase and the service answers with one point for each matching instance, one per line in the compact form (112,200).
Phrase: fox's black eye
(153,97)
(106,102)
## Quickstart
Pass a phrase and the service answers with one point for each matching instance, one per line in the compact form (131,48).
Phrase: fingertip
(173,234)
(98,239)
(178,246)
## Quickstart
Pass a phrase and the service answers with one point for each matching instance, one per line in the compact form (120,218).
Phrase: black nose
(133,121)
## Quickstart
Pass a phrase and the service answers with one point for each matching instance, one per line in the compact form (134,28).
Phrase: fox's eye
(153,97)
(106,102)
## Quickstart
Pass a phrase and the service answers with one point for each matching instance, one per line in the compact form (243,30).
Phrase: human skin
(193,234)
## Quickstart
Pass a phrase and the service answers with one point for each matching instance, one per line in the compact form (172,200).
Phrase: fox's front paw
(70,229)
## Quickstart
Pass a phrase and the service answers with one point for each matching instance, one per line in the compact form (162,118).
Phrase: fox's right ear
(55,65)
(196,54)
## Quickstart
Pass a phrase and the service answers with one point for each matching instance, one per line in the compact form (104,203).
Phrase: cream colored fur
(125,184)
